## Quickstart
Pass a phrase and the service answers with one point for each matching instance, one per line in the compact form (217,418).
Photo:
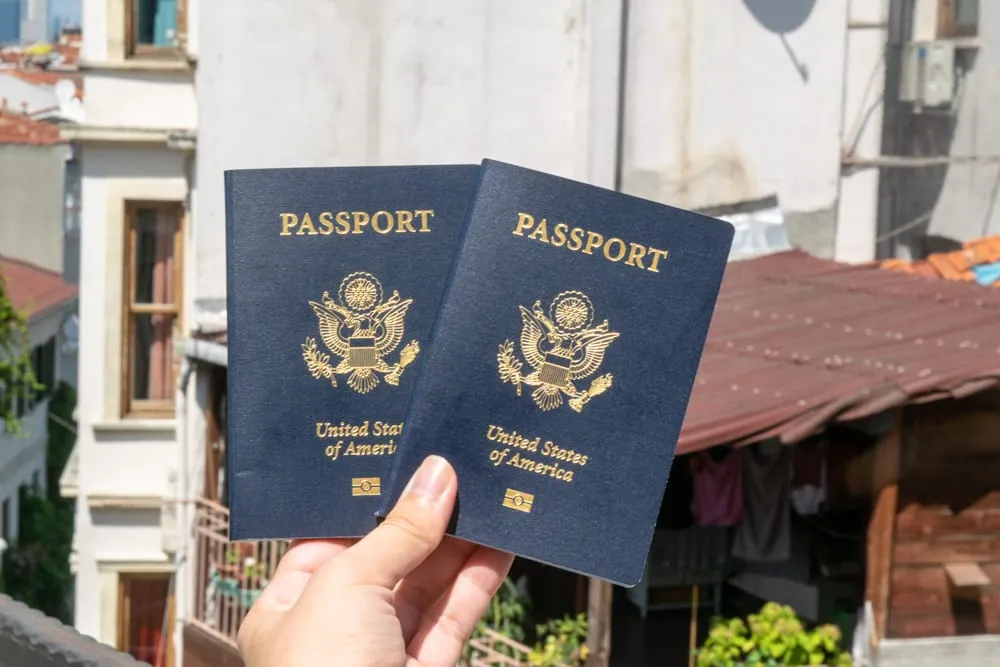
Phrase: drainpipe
(182,589)
(622,94)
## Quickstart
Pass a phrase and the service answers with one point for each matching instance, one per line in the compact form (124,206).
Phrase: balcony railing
(229,576)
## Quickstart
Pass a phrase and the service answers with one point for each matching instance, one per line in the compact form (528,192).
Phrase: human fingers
(447,626)
(294,570)
(410,533)
(422,587)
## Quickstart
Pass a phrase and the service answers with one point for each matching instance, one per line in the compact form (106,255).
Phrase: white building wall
(857,212)
(722,101)
(349,82)
(154,100)
(122,462)
(124,465)
(734,101)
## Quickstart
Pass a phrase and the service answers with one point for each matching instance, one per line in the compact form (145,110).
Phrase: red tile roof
(21,129)
(956,265)
(33,289)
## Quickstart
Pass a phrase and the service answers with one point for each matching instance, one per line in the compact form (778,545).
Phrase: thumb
(410,533)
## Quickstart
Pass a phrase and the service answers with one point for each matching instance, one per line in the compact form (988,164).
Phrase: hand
(402,596)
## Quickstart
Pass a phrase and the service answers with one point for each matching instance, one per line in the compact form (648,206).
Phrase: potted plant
(773,637)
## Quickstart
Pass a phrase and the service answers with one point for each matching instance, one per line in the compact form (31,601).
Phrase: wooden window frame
(150,51)
(947,21)
(148,408)
(124,604)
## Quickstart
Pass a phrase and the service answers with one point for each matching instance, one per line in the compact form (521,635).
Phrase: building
(35,21)
(10,22)
(47,301)
(136,196)
(64,14)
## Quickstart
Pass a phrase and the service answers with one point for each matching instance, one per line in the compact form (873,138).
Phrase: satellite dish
(65,91)
(781,16)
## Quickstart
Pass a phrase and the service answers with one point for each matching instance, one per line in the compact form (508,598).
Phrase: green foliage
(62,438)
(773,637)
(561,642)
(36,568)
(17,379)
(505,615)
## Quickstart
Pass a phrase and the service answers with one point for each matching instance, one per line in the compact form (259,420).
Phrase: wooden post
(693,642)
(599,594)
(881,528)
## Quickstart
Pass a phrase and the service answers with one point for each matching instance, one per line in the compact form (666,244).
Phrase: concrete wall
(35,21)
(360,82)
(31,200)
(722,101)
(956,202)
(731,101)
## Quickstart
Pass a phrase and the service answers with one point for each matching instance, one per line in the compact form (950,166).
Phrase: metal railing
(229,576)
(492,649)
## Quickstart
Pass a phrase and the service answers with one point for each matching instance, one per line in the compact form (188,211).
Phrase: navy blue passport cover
(334,278)
(560,367)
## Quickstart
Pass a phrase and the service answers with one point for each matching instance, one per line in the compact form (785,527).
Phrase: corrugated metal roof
(798,341)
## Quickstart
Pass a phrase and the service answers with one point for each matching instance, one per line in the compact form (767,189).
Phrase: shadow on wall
(782,17)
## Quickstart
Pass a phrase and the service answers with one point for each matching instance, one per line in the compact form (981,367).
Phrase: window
(156,27)
(152,307)
(958,18)
(145,618)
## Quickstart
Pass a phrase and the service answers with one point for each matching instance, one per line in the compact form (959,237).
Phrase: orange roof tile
(21,129)
(956,265)
(33,289)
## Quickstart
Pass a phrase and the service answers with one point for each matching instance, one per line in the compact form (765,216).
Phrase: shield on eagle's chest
(361,352)
(555,370)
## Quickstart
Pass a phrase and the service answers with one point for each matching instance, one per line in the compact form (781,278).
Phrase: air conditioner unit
(927,78)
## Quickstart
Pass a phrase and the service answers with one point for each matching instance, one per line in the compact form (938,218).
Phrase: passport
(560,367)
(334,278)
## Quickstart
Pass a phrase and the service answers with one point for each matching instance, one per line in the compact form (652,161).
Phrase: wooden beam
(885,491)
(975,549)
(966,574)
(599,594)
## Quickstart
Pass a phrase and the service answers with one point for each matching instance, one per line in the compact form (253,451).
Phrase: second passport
(334,278)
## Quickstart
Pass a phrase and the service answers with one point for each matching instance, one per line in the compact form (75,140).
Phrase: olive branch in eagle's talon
(317,362)
(509,365)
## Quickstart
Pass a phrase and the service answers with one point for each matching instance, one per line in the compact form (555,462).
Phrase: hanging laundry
(718,488)
(764,533)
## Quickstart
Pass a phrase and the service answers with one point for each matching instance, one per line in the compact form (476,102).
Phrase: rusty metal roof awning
(797,342)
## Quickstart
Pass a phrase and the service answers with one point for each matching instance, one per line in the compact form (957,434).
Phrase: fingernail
(431,478)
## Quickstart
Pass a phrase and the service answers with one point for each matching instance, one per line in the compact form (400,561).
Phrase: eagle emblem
(362,329)
(562,347)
